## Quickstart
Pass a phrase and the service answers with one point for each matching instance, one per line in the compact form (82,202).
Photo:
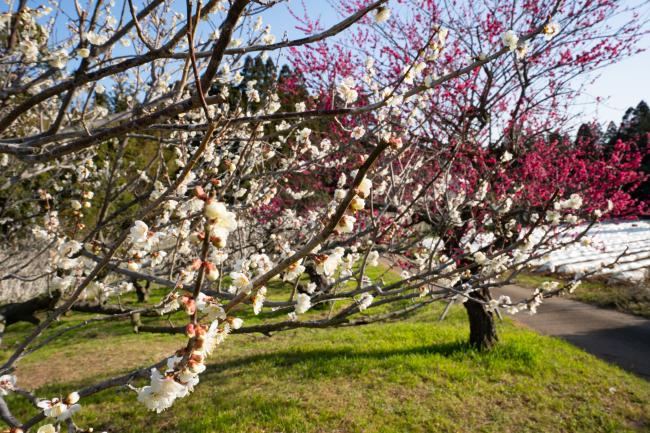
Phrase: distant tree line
(635,127)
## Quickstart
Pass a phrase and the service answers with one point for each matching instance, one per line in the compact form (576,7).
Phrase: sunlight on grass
(418,375)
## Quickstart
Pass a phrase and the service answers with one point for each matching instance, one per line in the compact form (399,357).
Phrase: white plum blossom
(551,30)
(522,50)
(241,281)
(95,38)
(327,264)
(364,188)
(47,428)
(268,38)
(491,305)
(365,301)
(310,288)
(373,258)
(58,59)
(303,303)
(59,409)
(510,40)
(573,202)
(161,393)
(574,285)
(219,215)
(346,90)
(303,135)
(346,224)
(236,323)
(30,50)
(139,232)
(553,217)
(294,271)
(357,203)
(258,300)
(212,273)
(382,15)
(548,286)
(7,384)
(480,258)
(358,132)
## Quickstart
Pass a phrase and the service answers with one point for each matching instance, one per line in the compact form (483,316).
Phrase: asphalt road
(616,337)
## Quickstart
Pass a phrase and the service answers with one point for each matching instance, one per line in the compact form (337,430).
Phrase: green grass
(417,375)
(627,298)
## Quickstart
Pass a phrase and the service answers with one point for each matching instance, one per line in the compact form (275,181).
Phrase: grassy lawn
(411,376)
(627,298)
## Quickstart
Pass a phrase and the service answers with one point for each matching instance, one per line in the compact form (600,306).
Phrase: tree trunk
(482,329)
(315,277)
(26,311)
(142,292)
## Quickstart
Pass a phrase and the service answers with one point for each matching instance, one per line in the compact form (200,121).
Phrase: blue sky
(618,86)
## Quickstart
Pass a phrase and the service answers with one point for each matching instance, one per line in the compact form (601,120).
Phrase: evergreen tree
(610,134)
(589,132)
(636,127)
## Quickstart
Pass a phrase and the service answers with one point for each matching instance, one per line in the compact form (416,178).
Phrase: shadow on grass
(340,361)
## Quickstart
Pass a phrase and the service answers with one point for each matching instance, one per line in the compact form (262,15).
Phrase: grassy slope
(631,299)
(416,376)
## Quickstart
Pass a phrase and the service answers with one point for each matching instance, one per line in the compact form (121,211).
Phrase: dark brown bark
(314,277)
(142,292)
(25,311)
(482,329)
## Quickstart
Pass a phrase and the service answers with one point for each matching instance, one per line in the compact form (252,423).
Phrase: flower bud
(212,273)
(236,322)
(72,398)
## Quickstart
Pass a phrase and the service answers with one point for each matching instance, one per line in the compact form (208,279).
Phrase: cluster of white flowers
(183,369)
(147,245)
(294,270)
(480,258)
(96,38)
(303,303)
(365,301)
(346,90)
(573,202)
(223,222)
(326,264)
(58,59)
(510,40)
(163,390)
(7,384)
(373,258)
(60,409)
(553,217)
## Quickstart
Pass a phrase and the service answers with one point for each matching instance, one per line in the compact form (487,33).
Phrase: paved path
(615,337)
